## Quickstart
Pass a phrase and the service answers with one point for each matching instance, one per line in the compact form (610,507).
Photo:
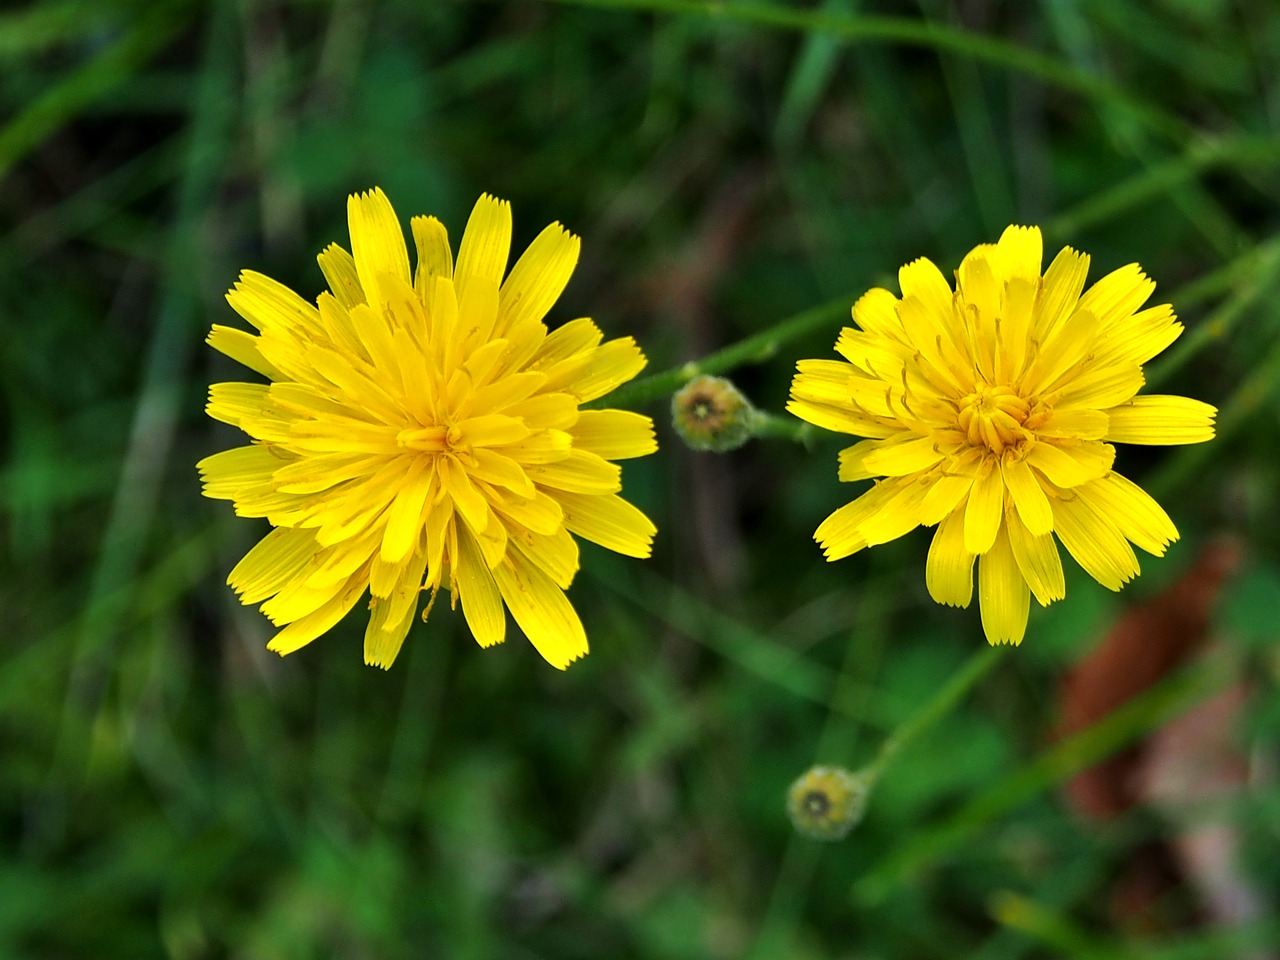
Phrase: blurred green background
(170,789)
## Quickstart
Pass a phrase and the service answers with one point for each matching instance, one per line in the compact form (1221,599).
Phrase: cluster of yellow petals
(990,411)
(421,429)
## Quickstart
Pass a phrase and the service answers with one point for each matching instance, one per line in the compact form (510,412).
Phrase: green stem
(771,426)
(1261,270)
(979,665)
(1162,178)
(760,346)
(1116,731)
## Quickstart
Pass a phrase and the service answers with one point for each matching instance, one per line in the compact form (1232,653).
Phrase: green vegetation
(739,172)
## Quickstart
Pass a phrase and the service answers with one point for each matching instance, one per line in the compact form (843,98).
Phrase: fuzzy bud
(825,803)
(710,413)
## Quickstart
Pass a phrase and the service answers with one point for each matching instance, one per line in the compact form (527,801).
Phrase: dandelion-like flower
(422,430)
(991,412)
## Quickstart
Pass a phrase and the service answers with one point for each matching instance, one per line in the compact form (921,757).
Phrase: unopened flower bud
(710,413)
(825,803)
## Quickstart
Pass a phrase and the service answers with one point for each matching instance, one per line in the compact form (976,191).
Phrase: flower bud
(710,413)
(825,803)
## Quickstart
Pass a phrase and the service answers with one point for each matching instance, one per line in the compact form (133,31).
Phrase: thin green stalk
(838,737)
(755,654)
(943,702)
(770,426)
(1084,749)
(1255,274)
(753,349)
(1163,177)
(1258,387)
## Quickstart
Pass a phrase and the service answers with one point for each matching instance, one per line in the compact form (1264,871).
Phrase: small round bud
(710,413)
(825,803)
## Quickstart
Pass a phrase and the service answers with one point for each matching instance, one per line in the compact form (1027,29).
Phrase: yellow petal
(1066,348)
(502,471)
(948,572)
(943,497)
(232,402)
(614,434)
(579,472)
(1076,423)
(612,363)
(976,280)
(1028,496)
(486,243)
(271,306)
(538,278)
(1019,254)
(279,557)
(305,629)
(339,269)
(383,636)
(922,279)
(1015,327)
(477,313)
(481,601)
(227,473)
(1138,517)
(1161,420)
(838,534)
(377,242)
(1002,594)
(435,257)
(463,493)
(1063,282)
(898,456)
(1118,295)
(542,611)
(824,381)
(492,430)
(876,312)
(1070,466)
(1102,386)
(540,513)
(610,521)
(550,411)
(1139,338)
(837,419)
(1038,559)
(568,340)
(899,515)
(1095,542)
(241,347)
(335,565)
(555,554)
(984,512)
(405,515)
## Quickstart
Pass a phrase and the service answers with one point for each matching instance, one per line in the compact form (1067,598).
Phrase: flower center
(995,418)
(436,439)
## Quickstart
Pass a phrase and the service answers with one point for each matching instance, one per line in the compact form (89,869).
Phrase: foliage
(170,789)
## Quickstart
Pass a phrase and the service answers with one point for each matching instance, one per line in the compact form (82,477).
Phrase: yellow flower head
(988,412)
(422,430)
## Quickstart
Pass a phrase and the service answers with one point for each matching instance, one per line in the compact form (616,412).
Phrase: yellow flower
(989,411)
(422,430)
